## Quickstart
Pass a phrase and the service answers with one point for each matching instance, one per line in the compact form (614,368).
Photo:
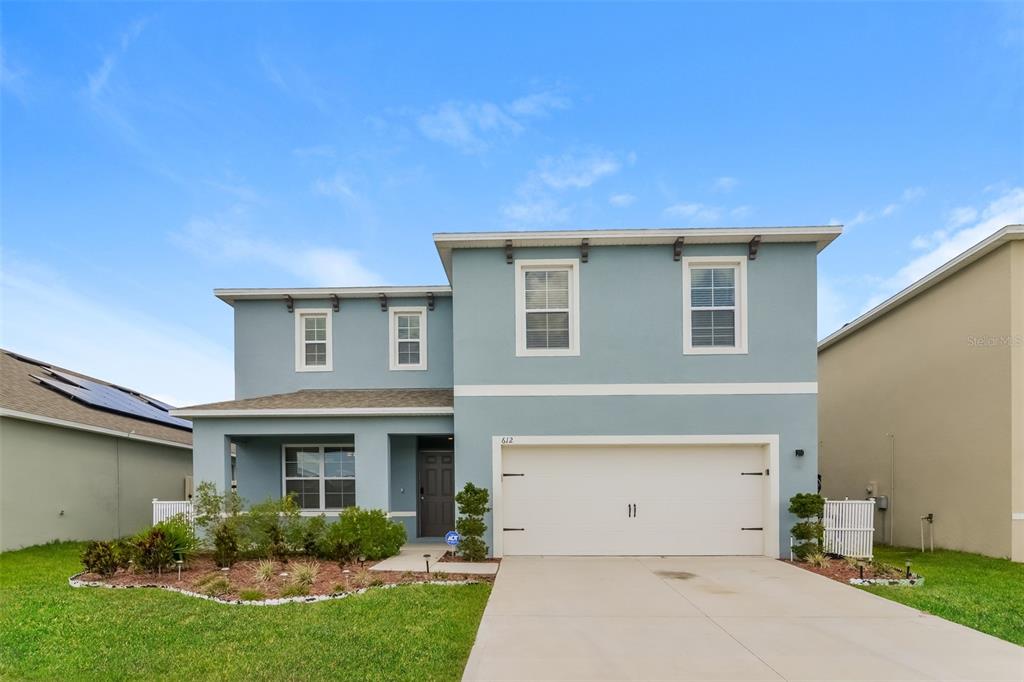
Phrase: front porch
(403,465)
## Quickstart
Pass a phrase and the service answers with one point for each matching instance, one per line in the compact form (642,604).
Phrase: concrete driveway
(713,618)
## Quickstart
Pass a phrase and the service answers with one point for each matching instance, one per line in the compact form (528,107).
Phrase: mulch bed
(843,572)
(332,578)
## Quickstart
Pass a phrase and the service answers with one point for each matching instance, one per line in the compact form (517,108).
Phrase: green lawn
(977,591)
(49,630)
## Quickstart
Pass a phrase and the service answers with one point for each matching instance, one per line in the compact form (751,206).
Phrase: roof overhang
(950,268)
(318,412)
(229,296)
(822,236)
(78,426)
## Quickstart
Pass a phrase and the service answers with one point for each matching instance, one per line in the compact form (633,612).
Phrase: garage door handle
(631,511)
(758,528)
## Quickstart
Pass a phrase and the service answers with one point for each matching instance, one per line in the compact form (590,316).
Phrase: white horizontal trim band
(395,514)
(1018,516)
(52,421)
(320,412)
(541,390)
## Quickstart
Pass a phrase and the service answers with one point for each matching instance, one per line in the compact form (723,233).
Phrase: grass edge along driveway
(49,630)
(978,591)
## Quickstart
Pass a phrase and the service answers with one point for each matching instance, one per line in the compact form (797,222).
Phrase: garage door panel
(575,500)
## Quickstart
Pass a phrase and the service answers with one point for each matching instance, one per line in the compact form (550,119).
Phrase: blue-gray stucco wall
(384,446)
(792,417)
(631,318)
(631,331)
(265,347)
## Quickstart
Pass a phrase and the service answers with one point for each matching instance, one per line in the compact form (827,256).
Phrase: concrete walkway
(411,558)
(713,618)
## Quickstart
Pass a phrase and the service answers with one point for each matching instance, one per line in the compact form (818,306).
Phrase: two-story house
(630,392)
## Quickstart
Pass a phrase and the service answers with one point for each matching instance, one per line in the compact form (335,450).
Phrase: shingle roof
(22,394)
(327,400)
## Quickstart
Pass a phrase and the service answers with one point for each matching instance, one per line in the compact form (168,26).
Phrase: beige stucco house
(81,458)
(921,399)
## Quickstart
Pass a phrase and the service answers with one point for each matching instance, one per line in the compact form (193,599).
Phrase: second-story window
(408,338)
(313,340)
(547,307)
(714,292)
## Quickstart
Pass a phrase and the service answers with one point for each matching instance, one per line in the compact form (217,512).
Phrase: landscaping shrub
(310,533)
(265,570)
(101,557)
(252,595)
(294,589)
(268,525)
(818,559)
(218,516)
(361,533)
(305,573)
(154,550)
(181,536)
(215,586)
(809,531)
(472,503)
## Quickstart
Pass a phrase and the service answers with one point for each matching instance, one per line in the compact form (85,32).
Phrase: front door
(436,481)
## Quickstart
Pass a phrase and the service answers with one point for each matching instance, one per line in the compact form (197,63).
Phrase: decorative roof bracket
(585,251)
(508,251)
(383,298)
(677,249)
(335,302)
(430,300)
(290,303)
(752,247)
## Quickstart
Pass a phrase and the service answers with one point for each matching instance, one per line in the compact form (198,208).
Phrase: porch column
(372,467)
(211,454)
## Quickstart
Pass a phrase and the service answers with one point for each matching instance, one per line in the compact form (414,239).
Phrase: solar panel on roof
(110,398)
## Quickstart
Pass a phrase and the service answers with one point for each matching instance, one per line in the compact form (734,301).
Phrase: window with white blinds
(320,477)
(714,297)
(408,338)
(547,315)
(313,340)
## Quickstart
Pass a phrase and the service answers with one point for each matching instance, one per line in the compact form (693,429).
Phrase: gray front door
(436,481)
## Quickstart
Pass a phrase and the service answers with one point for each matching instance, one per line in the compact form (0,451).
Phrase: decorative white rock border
(916,581)
(76,581)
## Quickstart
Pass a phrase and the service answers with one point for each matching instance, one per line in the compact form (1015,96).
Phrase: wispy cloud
(295,82)
(840,302)
(576,171)
(908,196)
(98,79)
(621,200)
(540,198)
(222,238)
(12,76)
(694,212)
(337,186)
(471,127)
(322,151)
(112,341)
(724,184)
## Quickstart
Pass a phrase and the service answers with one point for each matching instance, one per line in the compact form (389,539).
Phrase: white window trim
(740,263)
(300,355)
(573,266)
(393,338)
(284,477)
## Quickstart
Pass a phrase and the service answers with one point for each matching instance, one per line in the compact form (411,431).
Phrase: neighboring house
(617,391)
(922,401)
(81,458)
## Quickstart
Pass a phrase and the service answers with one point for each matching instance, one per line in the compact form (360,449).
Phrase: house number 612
(506,440)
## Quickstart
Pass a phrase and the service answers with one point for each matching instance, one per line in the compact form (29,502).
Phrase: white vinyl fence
(165,509)
(850,527)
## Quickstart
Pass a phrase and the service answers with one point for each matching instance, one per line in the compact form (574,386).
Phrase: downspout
(892,484)
(117,485)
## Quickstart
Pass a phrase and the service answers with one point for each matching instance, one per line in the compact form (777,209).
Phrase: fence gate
(850,527)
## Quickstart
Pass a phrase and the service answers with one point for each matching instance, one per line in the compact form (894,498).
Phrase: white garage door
(633,500)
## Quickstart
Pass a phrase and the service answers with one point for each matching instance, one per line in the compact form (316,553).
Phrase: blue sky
(153,152)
